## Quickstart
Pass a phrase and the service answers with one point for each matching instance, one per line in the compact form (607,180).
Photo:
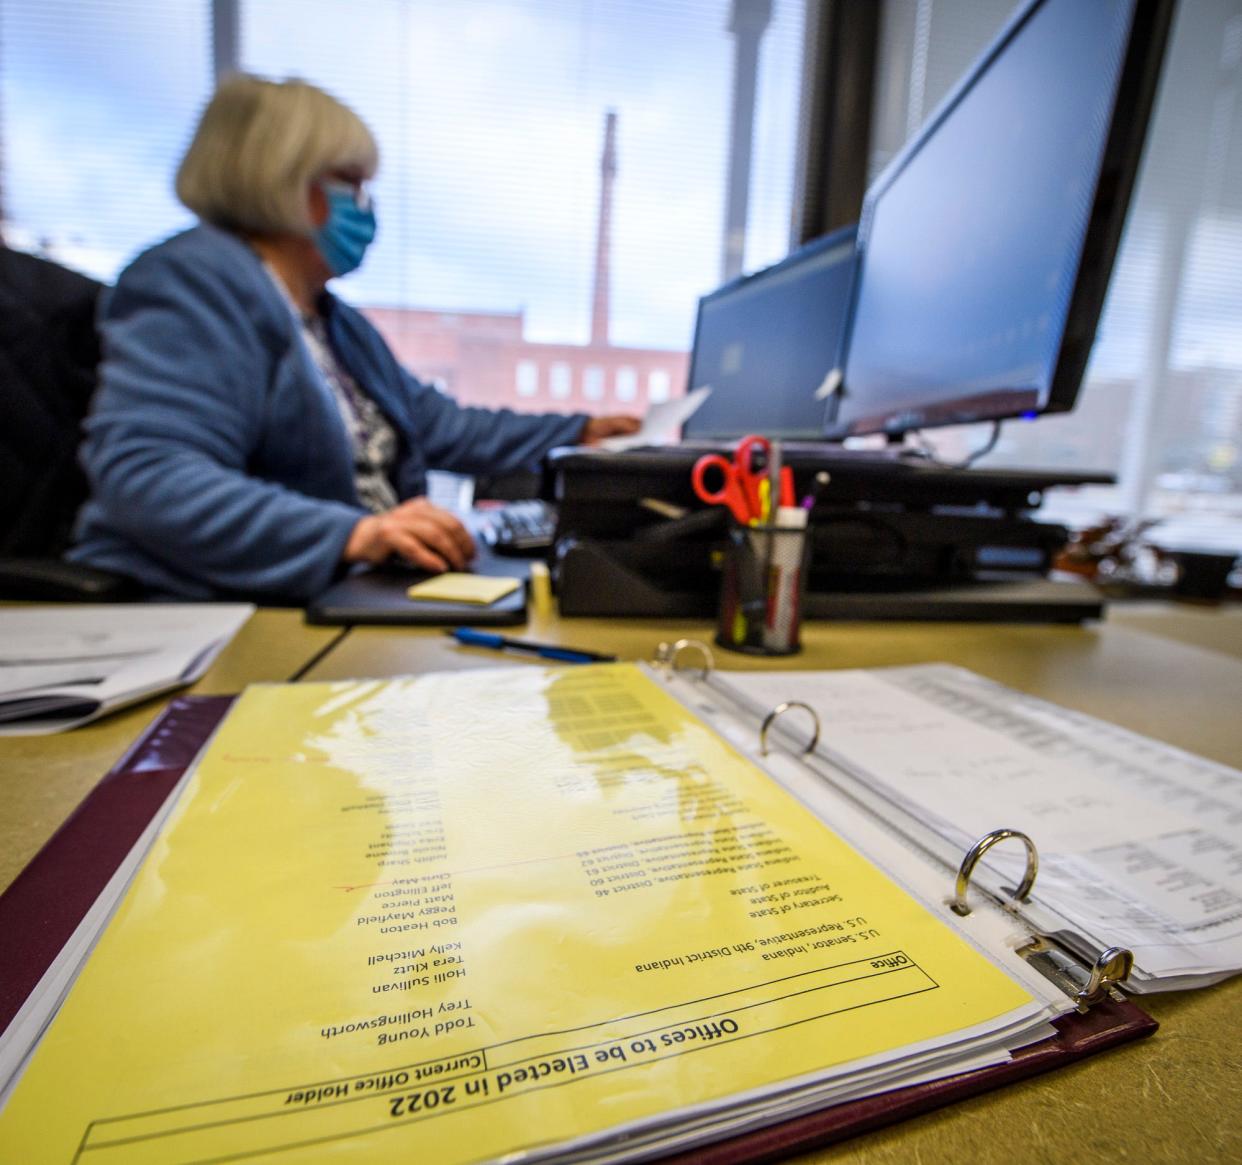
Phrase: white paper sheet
(1140,843)
(663,422)
(63,666)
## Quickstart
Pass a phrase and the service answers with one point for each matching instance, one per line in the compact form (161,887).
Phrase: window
(593,382)
(491,117)
(1161,403)
(627,384)
(560,380)
(658,386)
(97,102)
(527,378)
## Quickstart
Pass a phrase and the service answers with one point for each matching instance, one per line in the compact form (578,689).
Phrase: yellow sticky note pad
(463,588)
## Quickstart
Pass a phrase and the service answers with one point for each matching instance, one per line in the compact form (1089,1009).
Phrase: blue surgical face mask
(344,237)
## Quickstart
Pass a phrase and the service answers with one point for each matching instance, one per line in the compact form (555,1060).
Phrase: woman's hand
(597,428)
(427,536)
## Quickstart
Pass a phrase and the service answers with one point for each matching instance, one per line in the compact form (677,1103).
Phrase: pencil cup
(762,587)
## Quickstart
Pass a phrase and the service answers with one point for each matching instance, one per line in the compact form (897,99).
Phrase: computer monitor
(985,248)
(766,342)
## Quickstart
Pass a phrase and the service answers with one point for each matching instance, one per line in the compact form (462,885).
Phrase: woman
(252,434)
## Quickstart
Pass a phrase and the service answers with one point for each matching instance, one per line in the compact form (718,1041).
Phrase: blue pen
(472,638)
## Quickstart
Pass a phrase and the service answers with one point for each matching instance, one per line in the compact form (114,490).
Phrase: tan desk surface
(1174,1098)
(42,778)
(1218,628)
(1179,693)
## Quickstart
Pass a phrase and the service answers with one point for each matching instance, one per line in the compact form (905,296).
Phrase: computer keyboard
(522,527)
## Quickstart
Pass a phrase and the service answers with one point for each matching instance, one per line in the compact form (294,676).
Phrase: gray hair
(257,147)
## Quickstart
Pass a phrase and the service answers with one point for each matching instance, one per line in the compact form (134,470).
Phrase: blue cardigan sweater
(218,460)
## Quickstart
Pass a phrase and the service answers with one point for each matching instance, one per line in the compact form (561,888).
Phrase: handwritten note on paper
(372,927)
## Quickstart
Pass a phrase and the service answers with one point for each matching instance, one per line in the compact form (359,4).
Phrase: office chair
(49,351)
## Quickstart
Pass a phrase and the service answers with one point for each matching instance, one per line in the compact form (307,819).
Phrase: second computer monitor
(767,343)
(986,246)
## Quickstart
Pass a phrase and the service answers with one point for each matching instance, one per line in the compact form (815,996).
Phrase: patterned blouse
(372,439)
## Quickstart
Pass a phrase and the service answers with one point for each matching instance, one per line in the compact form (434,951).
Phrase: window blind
(97,101)
(490,116)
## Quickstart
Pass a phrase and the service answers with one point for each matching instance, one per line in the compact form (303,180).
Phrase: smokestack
(748,21)
(603,238)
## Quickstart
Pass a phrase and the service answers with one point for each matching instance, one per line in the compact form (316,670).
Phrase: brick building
(482,358)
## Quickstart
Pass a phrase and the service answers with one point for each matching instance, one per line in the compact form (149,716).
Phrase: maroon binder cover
(42,908)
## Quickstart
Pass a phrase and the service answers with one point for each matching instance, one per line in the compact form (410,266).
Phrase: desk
(1174,1098)
(1217,628)
(42,778)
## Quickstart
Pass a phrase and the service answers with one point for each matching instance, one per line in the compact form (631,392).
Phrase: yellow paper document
(443,920)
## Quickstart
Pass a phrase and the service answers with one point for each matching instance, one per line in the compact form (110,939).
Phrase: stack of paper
(489,915)
(63,666)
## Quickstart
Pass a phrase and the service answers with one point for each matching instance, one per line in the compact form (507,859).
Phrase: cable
(967,461)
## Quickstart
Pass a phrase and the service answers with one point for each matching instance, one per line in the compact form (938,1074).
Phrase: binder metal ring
(666,654)
(1112,967)
(977,851)
(779,711)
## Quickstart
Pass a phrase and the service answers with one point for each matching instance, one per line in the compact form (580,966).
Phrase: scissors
(739,491)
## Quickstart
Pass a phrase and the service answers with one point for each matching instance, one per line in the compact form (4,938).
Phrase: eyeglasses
(356,188)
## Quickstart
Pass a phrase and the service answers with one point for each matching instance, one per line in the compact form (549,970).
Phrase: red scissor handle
(730,492)
(750,458)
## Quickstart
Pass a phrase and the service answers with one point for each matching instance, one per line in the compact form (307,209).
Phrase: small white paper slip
(663,422)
